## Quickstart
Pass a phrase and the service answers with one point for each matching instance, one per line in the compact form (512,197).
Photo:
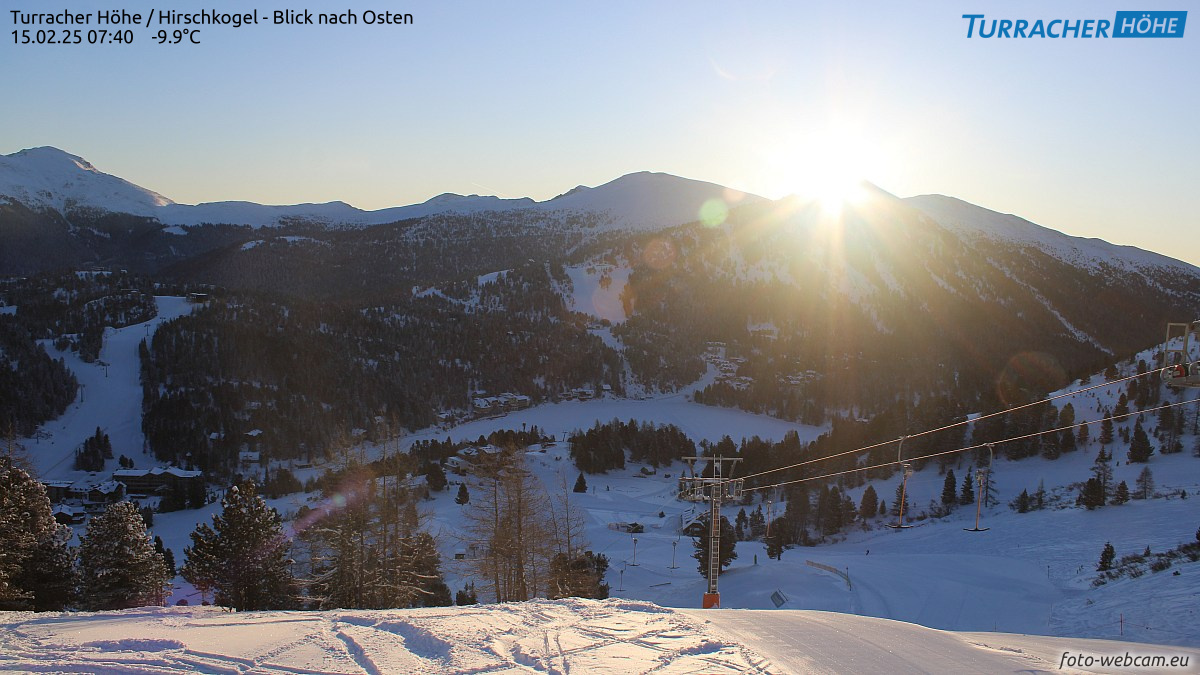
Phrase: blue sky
(1092,137)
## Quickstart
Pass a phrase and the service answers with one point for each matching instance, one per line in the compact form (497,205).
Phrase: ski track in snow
(538,636)
(556,637)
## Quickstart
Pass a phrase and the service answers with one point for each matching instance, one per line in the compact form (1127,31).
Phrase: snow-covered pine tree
(243,556)
(118,566)
(36,568)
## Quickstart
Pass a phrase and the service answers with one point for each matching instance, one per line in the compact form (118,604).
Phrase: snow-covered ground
(563,636)
(1029,573)
(110,398)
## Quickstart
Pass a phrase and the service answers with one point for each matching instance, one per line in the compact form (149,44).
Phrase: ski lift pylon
(981,481)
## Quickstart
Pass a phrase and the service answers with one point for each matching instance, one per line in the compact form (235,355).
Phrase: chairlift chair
(1178,371)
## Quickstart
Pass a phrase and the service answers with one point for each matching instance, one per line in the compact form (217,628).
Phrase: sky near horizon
(1093,137)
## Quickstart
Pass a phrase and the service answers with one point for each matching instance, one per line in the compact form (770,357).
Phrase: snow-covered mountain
(974,223)
(47,177)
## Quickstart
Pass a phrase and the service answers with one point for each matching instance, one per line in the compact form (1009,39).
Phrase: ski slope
(563,636)
(110,398)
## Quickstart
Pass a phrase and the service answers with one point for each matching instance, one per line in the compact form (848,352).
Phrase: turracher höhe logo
(1125,25)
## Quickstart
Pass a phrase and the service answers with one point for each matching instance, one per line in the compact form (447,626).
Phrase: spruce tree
(950,491)
(463,497)
(1102,472)
(466,596)
(118,566)
(1107,556)
(1021,503)
(869,505)
(1092,494)
(727,550)
(896,500)
(580,483)
(243,556)
(1139,447)
(1122,406)
(36,567)
(1122,493)
(967,494)
(1106,430)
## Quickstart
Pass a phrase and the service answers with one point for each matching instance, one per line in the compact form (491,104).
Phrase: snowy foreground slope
(613,636)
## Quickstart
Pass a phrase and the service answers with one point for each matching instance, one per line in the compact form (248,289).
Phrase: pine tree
(1139,447)
(1107,556)
(435,476)
(37,569)
(1066,416)
(1122,494)
(167,554)
(463,497)
(1092,494)
(1145,484)
(869,504)
(1021,503)
(580,484)
(1122,406)
(1082,436)
(1039,497)
(727,549)
(950,491)
(1106,430)
(466,596)
(775,540)
(118,566)
(51,574)
(243,556)
(757,522)
(967,494)
(1102,472)
(896,500)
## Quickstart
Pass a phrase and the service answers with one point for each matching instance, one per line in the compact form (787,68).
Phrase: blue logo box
(1149,24)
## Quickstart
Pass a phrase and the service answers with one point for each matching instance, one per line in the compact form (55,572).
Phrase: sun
(837,187)
(828,169)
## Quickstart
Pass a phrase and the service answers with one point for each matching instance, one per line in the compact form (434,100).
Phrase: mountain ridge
(49,177)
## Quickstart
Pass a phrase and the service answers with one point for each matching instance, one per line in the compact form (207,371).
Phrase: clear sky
(1092,137)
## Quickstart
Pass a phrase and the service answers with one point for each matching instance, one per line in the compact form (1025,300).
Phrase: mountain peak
(49,177)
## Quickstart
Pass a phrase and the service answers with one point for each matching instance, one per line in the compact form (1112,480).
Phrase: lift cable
(969,447)
(948,426)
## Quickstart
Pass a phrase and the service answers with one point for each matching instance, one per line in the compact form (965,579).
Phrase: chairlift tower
(713,489)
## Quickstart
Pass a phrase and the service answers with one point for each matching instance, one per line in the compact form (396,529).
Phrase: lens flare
(714,212)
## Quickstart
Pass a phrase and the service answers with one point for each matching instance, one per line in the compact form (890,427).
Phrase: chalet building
(157,480)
